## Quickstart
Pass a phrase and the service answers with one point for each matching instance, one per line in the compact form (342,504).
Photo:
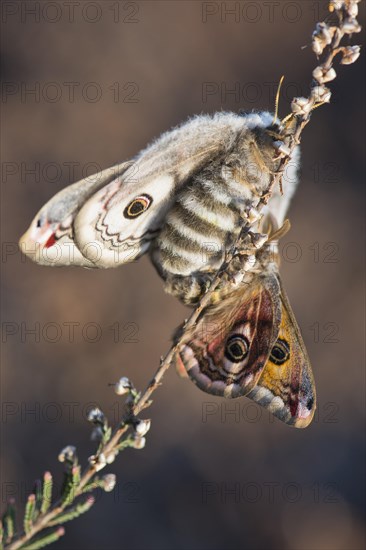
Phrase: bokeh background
(209,478)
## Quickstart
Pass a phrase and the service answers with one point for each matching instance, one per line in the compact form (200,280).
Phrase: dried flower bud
(123,386)
(350,54)
(98,461)
(322,37)
(317,45)
(301,106)
(111,458)
(321,94)
(323,75)
(142,427)
(318,74)
(109,482)
(96,416)
(68,454)
(139,442)
(92,460)
(324,32)
(350,26)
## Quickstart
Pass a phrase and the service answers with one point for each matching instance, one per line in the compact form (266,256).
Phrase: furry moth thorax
(183,199)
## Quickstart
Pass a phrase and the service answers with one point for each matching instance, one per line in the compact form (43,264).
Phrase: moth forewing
(117,224)
(50,237)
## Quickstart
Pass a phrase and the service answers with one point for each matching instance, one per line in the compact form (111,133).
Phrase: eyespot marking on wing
(280,352)
(237,348)
(137,206)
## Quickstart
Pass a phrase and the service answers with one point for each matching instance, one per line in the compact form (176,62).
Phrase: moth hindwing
(250,344)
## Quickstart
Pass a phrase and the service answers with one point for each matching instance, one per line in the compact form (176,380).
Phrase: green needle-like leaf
(46,492)
(30,509)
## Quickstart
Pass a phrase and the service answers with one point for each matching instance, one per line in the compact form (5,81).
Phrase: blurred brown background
(207,479)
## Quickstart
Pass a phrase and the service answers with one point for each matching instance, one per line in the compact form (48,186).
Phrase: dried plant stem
(144,400)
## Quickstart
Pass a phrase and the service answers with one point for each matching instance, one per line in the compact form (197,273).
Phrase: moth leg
(247,254)
(240,265)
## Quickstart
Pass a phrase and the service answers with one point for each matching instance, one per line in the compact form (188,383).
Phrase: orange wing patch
(286,387)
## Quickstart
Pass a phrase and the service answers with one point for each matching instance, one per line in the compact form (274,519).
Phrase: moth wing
(230,345)
(87,221)
(109,232)
(104,229)
(49,239)
(286,386)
